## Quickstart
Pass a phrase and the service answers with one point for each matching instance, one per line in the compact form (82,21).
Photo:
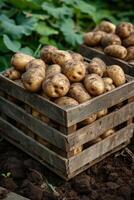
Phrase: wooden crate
(58,152)
(90,53)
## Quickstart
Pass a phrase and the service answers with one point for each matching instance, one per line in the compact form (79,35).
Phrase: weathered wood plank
(43,105)
(91,53)
(98,149)
(81,112)
(40,128)
(32,146)
(94,130)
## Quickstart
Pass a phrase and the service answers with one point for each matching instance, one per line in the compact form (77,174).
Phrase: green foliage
(26,25)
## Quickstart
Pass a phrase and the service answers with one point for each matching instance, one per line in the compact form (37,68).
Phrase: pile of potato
(116,41)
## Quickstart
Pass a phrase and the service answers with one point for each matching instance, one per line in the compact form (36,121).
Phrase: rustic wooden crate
(57,152)
(90,53)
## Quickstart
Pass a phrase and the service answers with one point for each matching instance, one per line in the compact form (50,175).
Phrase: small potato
(108,80)
(106,26)
(93,38)
(66,102)
(110,39)
(20,60)
(60,57)
(97,66)
(12,74)
(74,70)
(102,113)
(52,70)
(129,41)
(130,54)
(46,53)
(115,50)
(124,29)
(77,56)
(107,133)
(109,87)
(79,93)
(89,120)
(94,84)
(117,74)
(56,86)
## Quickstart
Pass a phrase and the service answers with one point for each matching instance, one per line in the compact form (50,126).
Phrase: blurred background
(27,25)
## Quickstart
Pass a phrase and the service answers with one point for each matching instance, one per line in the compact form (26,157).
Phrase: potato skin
(56,86)
(20,60)
(60,57)
(108,80)
(35,63)
(102,113)
(109,87)
(12,74)
(77,56)
(89,120)
(66,101)
(129,41)
(116,73)
(107,133)
(93,38)
(97,66)
(115,50)
(124,29)
(46,53)
(130,54)
(74,70)
(79,93)
(106,26)
(52,70)
(94,84)
(110,39)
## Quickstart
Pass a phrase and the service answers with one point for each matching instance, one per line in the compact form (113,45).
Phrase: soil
(111,179)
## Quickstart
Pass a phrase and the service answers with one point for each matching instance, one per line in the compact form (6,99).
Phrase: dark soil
(111,179)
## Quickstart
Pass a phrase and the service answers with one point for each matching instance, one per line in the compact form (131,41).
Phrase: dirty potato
(115,50)
(60,57)
(106,26)
(124,29)
(129,41)
(46,53)
(130,54)
(102,113)
(52,70)
(93,38)
(12,73)
(110,39)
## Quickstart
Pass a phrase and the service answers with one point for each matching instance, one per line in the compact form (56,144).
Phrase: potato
(32,79)
(20,60)
(89,120)
(102,113)
(110,39)
(97,66)
(52,70)
(36,63)
(56,86)
(129,41)
(74,70)
(77,56)
(130,54)
(79,93)
(108,80)
(65,102)
(124,29)
(107,133)
(46,53)
(77,150)
(86,65)
(60,57)
(93,38)
(117,74)
(106,26)
(109,87)
(94,84)
(115,50)
(12,74)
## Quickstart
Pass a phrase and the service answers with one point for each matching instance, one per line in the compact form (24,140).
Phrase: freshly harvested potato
(52,70)
(107,133)
(124,29)
(56,86)
(86,64)
(32,79)
(12,74)
(106,26)
(89,120)
(65,102)
(93,38)
(60,57)
(109,87)
(110,39)
(130,54)
(74,70)
(117,74)
(46,53)
(97,66)
(108,80)
(94,84)
(77,56)
(20,60)
(77,150)
(129,41)
(36,63)
(102,113)
(95,141)
(79,93)
(115,50)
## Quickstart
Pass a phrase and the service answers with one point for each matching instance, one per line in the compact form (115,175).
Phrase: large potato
(129,41)
(74,70)
(52,70)
(110,39)
(20,60)
(97,66)
(124,29)
(116,73)
(60,57)
(115,50)
(94,84)
(93,38)
(102,113)
(46,53)
(12,74)
(77,56)
(79,93)
(130,54)
(56,86)
(35,63)
(106,26)
(65,102)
